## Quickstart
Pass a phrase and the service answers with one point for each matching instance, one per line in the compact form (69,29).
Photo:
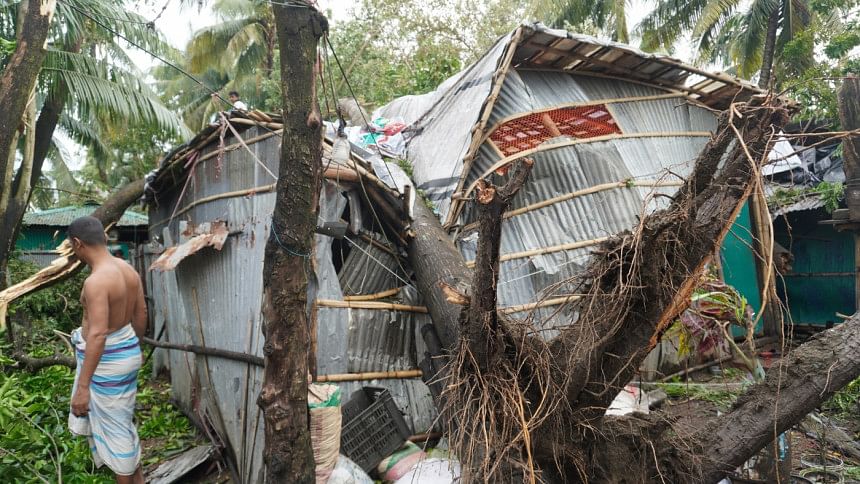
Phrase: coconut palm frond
(85,134)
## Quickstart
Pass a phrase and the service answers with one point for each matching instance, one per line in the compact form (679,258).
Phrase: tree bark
(769,50)
(849,116)
(481,323)
(283,398)
(19,77)
(809,375)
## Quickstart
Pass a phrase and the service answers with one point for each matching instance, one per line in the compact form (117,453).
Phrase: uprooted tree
(513,402)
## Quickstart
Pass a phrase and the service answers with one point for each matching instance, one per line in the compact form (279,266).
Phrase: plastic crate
(373,427)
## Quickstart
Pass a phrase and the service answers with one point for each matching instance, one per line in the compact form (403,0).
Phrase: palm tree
(238,53)
(607,17)
(86,83)
(747,36)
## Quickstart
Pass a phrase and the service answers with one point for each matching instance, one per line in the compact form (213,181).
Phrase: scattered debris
(177,468)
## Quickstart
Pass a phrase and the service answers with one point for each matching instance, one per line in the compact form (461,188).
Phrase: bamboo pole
(251,122)
(579,141)
(339,174)
(540,304)
(373,297)
(372,375)
(330,303)
(546,250)
(580,193)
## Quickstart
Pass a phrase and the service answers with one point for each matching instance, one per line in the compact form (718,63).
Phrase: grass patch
(721,398)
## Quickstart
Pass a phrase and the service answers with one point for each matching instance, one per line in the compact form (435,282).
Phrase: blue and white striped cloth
(109,427)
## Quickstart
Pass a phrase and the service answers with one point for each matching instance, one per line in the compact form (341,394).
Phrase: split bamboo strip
(331,303)
(546,250)
(373,375)
(332,173)
(219,196)
(373,297)
(540,304)
(236,146)
(579,193)
(572,142)
(499,76)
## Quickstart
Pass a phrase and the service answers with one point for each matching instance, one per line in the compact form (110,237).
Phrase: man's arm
(96,297)
(139,320)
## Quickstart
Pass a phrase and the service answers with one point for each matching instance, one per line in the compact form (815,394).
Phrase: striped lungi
(109,426)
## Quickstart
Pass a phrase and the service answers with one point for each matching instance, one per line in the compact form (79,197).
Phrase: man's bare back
(119,283)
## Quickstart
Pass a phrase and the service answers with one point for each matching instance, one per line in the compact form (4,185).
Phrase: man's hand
(81,402)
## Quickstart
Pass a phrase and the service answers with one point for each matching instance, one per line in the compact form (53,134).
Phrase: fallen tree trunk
(541,406)
(809,375)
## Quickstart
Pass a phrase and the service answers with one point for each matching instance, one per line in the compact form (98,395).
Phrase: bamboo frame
(478,130)
(573,142)
(236,146)
(546,250)
(371,375)
(336,172)
(332,303)
(540,304)
(373,297)
(580,193)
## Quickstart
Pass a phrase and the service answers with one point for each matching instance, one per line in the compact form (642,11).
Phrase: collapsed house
(613,132)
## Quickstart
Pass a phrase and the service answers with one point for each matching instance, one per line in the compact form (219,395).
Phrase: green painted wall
(738,262)
(40,238)
(48,238)
(817,249)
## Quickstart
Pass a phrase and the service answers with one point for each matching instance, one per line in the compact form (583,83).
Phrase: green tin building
(43,231)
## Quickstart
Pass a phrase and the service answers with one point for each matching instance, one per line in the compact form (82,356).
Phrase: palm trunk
(20,75)
(10,219)
(283,398)
(769,50)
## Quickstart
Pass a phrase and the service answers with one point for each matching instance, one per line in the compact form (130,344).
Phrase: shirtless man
(107,347)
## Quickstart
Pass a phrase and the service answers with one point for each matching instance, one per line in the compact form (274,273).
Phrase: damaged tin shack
(611,129)
(210,208)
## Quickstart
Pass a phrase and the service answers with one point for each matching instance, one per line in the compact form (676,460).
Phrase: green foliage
(727,31)
(721,398)
(607,18)
(831,193)
(35,444)
(391,48)
(237,53)
(846,402)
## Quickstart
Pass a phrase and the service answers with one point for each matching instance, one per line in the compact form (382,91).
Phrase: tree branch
(480,323)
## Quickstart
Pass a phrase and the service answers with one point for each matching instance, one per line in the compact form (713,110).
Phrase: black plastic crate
(373,427)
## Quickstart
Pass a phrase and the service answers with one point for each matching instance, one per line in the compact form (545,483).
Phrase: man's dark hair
(88,230)
(233,93)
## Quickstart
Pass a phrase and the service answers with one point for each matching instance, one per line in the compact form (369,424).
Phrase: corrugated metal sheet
(63,216)
(213,298)
(822,278)
(564,170)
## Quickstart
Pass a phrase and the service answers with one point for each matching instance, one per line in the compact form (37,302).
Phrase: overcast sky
(178,23)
